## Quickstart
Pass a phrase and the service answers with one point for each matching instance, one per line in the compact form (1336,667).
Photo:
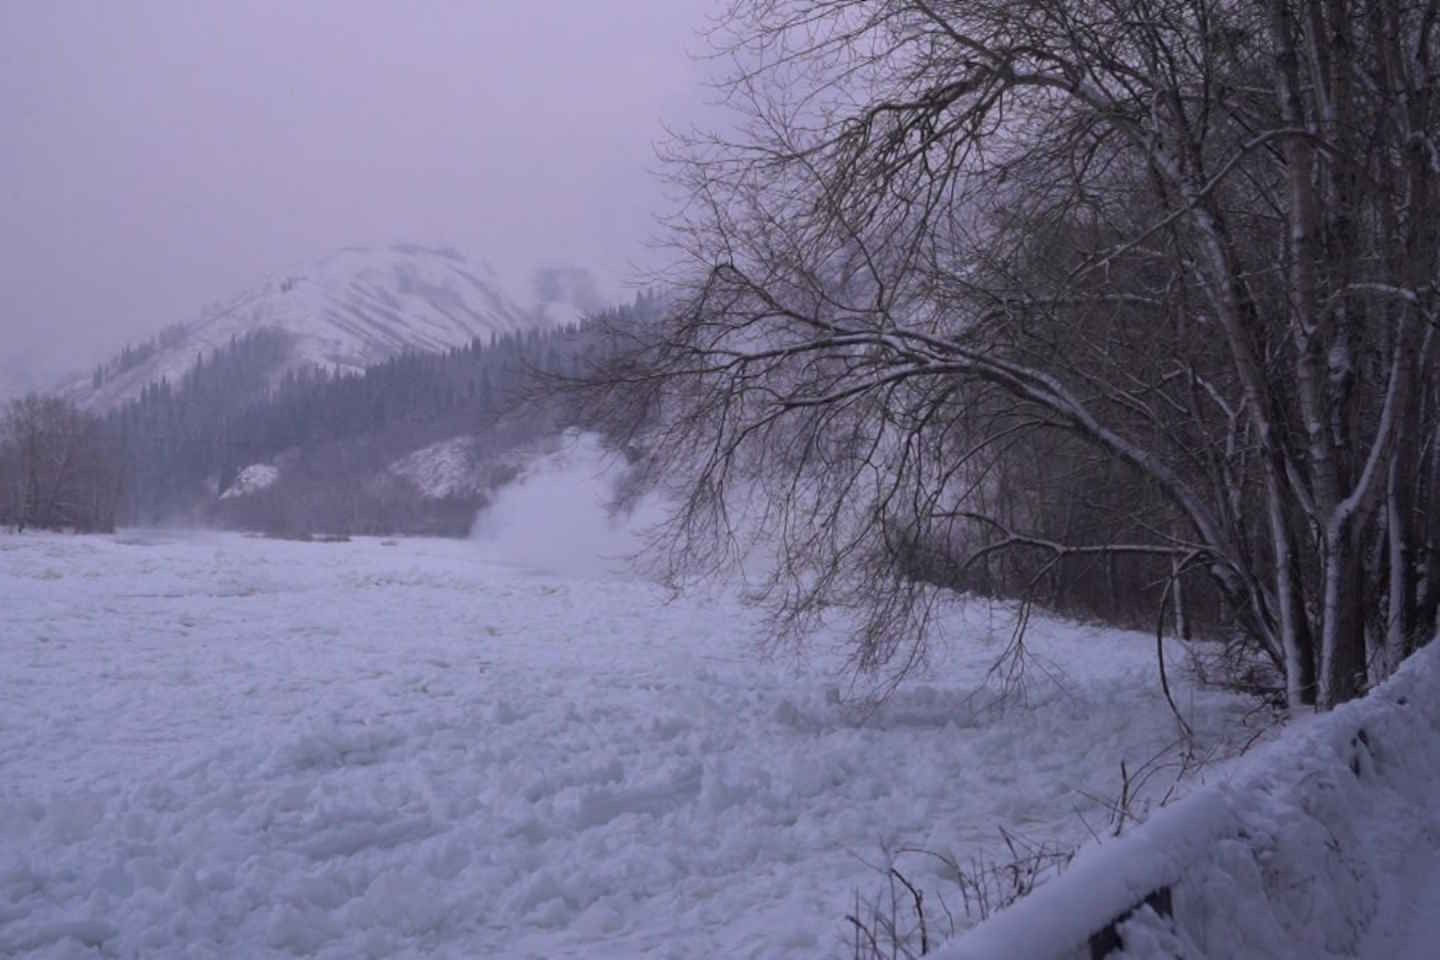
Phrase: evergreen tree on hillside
(185,443)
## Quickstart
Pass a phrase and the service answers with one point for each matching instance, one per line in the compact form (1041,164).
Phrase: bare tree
(57,468)
(1196,238)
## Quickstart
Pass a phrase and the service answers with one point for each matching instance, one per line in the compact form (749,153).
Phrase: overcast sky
(156,156)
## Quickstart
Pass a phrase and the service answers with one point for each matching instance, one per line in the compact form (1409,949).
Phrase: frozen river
(221,746)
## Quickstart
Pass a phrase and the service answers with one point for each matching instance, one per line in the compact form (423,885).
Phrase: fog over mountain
(18,374)
(161,154)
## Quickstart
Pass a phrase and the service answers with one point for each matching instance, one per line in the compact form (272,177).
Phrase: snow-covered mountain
(348,311)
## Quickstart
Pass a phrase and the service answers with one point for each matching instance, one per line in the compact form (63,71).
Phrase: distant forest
(135,354)
(172,452)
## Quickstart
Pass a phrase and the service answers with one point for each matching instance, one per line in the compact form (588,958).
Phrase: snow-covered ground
(221,746)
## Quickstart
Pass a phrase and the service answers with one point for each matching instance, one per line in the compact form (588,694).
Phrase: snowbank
(1322,844)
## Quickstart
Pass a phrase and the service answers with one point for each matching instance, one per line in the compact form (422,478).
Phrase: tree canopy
(1186,246)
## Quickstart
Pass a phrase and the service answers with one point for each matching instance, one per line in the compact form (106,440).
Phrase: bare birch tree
(1197,238)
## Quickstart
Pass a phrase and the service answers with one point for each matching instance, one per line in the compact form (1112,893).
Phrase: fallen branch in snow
(883,927)
(894,924)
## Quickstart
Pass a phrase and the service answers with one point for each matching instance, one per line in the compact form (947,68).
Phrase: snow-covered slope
(450,468)
(253,479)
(353,309)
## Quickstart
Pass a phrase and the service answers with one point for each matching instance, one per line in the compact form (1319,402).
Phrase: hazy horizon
(164,155)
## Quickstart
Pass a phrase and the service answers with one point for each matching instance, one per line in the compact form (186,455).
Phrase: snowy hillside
(253,479)
(350,310)
(450,468)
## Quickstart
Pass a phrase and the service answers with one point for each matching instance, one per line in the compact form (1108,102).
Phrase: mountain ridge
(347,311)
